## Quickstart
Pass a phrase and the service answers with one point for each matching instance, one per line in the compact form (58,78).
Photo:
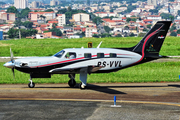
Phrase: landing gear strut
(72,81)
(31,84)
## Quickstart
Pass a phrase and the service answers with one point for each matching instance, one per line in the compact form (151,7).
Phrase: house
(147,21)
(154,17)
(105,14)
(34,16)
(113,23)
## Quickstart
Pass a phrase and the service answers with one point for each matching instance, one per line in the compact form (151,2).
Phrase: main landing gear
(72,81)
(83,79)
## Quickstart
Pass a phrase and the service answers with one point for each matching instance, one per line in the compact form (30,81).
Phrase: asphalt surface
(137,101)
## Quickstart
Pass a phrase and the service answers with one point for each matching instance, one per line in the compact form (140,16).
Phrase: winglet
(99,44)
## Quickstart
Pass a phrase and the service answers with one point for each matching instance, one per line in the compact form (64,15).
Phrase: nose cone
(9,64)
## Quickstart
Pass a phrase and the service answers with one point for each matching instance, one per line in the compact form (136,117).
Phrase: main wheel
(81,86)
(72,83)
(31,85)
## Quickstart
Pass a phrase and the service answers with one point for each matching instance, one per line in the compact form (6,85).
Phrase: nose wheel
(31,84)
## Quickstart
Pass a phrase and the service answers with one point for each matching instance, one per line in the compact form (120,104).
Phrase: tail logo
(161,37)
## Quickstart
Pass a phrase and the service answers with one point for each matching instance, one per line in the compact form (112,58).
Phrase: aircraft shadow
(109,89)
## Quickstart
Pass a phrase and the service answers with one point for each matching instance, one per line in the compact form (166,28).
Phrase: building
(61,19)
(90,31)
(82,17)
(34,16)
(53,3)
(152,2)
(8,17)
(20,4)
(35,4)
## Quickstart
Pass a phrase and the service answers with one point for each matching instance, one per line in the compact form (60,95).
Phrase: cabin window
(113,55)
(87,55)
(70,55)
(100,55)
(59,54)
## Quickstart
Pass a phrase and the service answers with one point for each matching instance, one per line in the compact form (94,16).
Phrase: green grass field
(48,47)
(148,72)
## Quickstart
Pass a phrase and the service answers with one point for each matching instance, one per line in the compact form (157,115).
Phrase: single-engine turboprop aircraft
(85,61)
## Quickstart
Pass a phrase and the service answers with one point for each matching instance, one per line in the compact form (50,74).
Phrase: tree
(96,35)
(128,19)
(25,12)
(178,31)
(173,34)
(49,10)
(131,35)
(57,31)
(141,34)
(118,35)
(12,9)
(28,24)
(173,27)
(167,16)
(41,16)
(149,26)
(153,11)
(97,20)
(107,29)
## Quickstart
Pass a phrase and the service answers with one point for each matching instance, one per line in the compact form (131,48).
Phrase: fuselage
(110,59)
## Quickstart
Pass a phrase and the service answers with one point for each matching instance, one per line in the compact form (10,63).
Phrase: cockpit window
(70,55)
(60,54)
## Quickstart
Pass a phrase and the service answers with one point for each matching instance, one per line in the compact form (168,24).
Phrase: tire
(82,88)
(72,83)
(31,85)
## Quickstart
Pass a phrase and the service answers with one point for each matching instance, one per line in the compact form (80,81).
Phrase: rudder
(151,43)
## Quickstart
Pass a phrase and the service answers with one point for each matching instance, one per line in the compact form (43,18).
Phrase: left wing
(90,69)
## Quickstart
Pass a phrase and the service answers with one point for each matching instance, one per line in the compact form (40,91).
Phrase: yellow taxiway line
(91,100)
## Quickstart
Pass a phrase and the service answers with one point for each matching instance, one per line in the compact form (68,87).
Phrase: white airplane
(85,61)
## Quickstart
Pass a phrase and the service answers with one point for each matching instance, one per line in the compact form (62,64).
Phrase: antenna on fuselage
(99,44)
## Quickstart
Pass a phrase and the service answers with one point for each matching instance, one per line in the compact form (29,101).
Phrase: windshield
(60,54)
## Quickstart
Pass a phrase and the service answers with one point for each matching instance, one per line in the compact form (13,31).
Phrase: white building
(20,4)
(35,4)
(82,17)
(152,2)
(61,19)
(90,31)
(53,3)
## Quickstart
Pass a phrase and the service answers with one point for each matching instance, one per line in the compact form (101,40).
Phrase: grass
(48,47)
(148,72)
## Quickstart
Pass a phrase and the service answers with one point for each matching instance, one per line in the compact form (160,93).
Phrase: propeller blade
(12,57)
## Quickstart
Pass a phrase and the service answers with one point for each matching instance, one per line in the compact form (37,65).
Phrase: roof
(154,16)
(53,21)
(40,12)
(147,20)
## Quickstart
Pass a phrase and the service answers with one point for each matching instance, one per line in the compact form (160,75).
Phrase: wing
(66,70)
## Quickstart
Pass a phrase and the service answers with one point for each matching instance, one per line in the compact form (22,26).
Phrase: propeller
(12,60)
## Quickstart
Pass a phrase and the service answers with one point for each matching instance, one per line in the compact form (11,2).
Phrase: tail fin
(151,43)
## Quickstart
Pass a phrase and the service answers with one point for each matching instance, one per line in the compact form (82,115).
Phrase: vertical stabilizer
(151,43)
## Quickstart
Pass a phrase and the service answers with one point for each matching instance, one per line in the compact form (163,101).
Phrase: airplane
(86,61)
